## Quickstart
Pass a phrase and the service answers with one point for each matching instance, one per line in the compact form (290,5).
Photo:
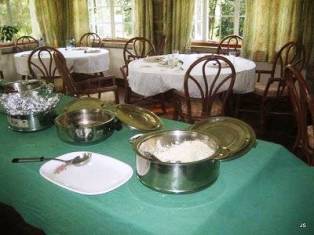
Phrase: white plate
(92,51)
(100,175)
(215,64)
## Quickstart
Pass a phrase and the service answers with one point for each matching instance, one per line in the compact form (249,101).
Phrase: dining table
(154,75)
(84,60)
(268,190)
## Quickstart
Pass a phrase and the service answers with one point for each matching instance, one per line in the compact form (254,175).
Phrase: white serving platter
(99,175)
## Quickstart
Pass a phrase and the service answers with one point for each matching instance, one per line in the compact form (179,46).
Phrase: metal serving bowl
(86,126)
(31,122)
(174,177)
(22,86)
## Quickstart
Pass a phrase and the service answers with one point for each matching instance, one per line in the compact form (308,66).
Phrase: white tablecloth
(147,78)
(94,60)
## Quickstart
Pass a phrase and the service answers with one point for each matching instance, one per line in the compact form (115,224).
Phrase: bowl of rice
(176,161)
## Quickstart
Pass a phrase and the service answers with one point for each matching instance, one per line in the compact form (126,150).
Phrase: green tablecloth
(267,191)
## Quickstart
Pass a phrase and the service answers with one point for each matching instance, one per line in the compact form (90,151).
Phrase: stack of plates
(234,136)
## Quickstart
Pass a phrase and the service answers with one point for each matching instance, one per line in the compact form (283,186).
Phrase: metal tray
(235,136)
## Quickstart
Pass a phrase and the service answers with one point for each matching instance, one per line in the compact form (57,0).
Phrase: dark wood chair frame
(46,68)
(26,43)
(303,106)
(137,48)
(208,92)
(231,43)
(91,40)
(94,84)
(290,53)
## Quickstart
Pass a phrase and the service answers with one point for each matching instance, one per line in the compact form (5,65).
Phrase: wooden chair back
(137,47)
(41,63)
(291,53)
(209,87)
(230,44)
(26,43)
(90,40)
(303,106)
(68,82)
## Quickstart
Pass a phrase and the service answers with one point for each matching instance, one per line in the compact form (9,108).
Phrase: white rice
(187,151)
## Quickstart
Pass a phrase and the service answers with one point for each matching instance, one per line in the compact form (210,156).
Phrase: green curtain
(77,18)
(306,29)
(144,19)
(178,20)
(60,20)
(269,25)
(51,21)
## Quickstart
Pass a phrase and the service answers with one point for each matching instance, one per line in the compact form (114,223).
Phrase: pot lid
(133,116)
(136,117)
(84,103)
(234,136)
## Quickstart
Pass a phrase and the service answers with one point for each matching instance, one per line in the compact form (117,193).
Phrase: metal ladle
(78,160)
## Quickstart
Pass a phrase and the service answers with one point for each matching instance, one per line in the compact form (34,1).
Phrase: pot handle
(222,152)
(135,138)
(117,124)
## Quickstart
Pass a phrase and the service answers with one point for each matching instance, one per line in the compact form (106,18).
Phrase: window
(215,19)
(19,13)
(111,18)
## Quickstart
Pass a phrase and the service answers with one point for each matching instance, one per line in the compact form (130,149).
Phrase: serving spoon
(78,160)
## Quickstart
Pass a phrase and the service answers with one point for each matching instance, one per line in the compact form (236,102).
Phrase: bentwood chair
(90,40)
(26,43)
(230,44)
(137,48)
(273,92)
(205,94)
(96,84)
(41,64)
(303,107)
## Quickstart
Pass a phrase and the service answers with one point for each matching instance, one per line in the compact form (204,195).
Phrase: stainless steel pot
(86,126)
(174,177)
(22,86)
(31,122)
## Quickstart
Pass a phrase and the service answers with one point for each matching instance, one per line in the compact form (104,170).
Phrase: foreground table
(267,191)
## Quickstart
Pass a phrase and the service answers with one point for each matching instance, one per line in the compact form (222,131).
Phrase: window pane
(242,8)
(16,13)
(121,12)
(241,26)
(212,6)
(212,28)
(227,7)
(226,26)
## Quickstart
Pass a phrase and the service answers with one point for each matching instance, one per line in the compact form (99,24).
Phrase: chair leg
(237,105)
(263,118)
(127,95)
(163,100)
(116,96)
